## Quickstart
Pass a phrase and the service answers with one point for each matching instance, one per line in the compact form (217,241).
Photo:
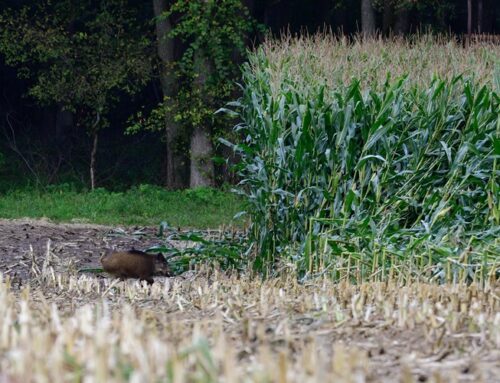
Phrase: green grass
(143,205)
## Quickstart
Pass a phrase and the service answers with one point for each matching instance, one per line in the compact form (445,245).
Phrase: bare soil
(76,244)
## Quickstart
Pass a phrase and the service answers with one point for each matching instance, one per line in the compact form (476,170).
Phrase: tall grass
(368,156)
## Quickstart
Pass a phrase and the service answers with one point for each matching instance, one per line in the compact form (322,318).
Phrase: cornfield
(373,156)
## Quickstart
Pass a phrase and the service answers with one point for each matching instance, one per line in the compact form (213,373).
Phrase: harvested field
(72,246)
(59,325)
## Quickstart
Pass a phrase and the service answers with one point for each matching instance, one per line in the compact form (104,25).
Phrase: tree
(212,34)
(396,15)
(368,27)
(469,20)
(201,148)
(174,163)
(480,16)
(79,55)
(402,14)
(212,37)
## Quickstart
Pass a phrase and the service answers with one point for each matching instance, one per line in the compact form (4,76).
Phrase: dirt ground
(288,332)
(76,244)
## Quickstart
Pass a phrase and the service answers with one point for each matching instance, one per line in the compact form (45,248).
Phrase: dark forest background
(115,93)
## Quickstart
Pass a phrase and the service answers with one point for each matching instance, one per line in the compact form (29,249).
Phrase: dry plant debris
(212,327)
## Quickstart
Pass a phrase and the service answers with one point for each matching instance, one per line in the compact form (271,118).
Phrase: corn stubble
(216,328)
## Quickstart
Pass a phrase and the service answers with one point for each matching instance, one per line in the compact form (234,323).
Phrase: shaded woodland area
(121,92)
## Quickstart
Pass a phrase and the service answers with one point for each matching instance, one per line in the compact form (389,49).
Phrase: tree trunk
(92,160)
(480,16)
(387,17)
(64,127)
(402,23)
(202,167)
(174,161)
(469,21)
(339,20)
(367,18)
(64,124)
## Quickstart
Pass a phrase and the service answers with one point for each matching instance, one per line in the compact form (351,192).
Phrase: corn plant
(369,175)
(223,251)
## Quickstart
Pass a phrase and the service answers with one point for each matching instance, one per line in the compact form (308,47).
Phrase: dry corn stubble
(218,328)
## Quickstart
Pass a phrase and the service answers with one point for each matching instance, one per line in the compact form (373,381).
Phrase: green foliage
(81,55)
(153,121)
(214,33)
(142,205)
(217,29)
(226,251)
(369,175)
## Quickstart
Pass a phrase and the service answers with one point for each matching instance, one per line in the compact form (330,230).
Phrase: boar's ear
(160,257)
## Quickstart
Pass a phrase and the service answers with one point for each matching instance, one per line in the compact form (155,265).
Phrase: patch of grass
(142,205)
